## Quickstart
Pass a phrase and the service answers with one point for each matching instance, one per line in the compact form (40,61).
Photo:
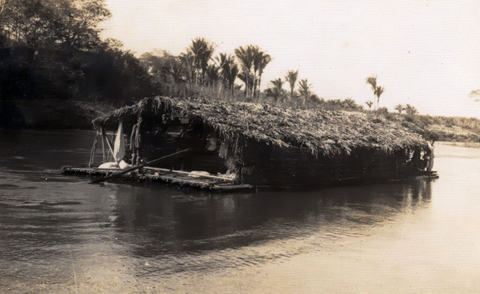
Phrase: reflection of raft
(176,178)
(421,175)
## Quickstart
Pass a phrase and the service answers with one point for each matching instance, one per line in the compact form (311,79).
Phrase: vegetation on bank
(440,128)
(51,49)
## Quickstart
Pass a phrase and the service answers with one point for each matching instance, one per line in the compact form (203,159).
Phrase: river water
(60,234)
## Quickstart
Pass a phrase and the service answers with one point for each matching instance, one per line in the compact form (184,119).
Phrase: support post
(135,142)
(92,152)
(104,153)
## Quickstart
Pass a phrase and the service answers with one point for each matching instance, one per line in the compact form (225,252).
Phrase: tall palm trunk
(247,73)
(259,85)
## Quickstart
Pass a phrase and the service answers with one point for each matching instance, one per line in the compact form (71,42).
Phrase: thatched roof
(323,132)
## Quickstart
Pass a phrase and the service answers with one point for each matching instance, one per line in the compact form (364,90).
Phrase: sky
(424,53)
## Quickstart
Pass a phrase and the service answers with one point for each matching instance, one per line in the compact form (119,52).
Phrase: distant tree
(228,70)
(261,60)
(379,93)
(213,74)
(304,92)
(410,110)
(350,104)
(202,50)
(369,104)
(256,52)
(223,61)
(377,90)
(55,50)
(248,80)
(188,61)
(383,110)
(232,74)
(291,77)
(169,73)
(276,92)
(475,94)
(399,108)
(246,57)
(68,24)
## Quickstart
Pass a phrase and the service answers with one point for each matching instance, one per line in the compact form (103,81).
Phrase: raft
(176,178)
(264,146)
(203,182)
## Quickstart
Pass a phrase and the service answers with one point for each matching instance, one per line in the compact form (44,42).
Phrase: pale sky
(426,53)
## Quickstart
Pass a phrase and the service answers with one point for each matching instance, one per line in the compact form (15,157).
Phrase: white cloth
(108,165)
(119,146)
(123,165)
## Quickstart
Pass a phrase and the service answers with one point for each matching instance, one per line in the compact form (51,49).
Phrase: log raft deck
(247,145)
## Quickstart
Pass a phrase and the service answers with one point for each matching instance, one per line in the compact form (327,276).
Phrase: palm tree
(377,90)
(248,80)
(223,61)
(256,53)
(291,77)
(277,92)
(411,110)
(246,57)
(202,50)
(373,83)
(188,60)
(399,108)
(228,70)
(232,75)
(369,104)
(304,91)
(260,62)
(475,94)
(213,73)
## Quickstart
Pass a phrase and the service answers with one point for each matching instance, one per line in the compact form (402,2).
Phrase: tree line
(199,70)
(235,76)
(53,49)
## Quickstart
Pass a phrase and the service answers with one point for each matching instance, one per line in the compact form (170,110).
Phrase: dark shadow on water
(168,221)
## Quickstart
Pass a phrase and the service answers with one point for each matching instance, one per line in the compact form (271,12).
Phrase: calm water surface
(59,234)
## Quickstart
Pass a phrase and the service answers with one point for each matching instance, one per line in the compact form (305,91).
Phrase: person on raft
(429,156)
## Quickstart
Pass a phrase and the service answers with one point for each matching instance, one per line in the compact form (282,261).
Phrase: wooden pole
(139,166)
(104,153)
(92,152)
(109,145)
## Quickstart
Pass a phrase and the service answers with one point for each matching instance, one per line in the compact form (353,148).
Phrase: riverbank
(463,144)
(439,128)
(67,114)
(55,113)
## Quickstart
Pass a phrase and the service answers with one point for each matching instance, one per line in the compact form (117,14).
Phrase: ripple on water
(8,186)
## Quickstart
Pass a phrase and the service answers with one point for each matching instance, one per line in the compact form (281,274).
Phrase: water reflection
(167,221)
(57,231)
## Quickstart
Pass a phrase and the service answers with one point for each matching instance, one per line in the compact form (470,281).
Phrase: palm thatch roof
(323,132)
